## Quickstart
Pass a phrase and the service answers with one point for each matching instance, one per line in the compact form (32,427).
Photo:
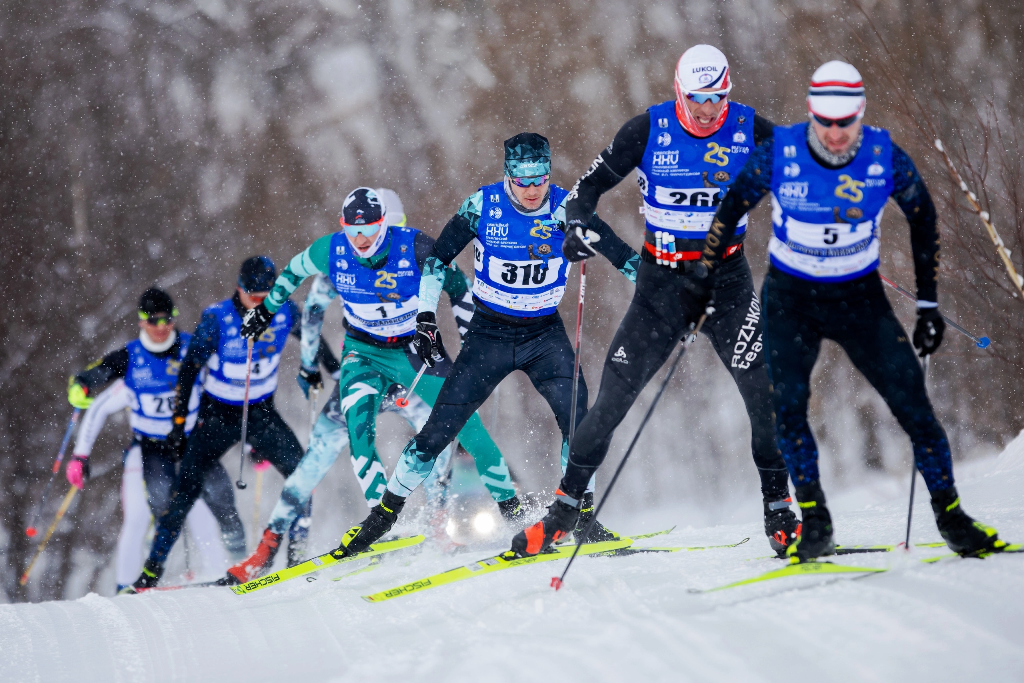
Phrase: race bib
(523,274)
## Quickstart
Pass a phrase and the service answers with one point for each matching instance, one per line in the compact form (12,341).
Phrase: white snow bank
(616,619)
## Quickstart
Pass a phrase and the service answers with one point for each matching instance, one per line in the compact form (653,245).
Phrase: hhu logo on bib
(520,269)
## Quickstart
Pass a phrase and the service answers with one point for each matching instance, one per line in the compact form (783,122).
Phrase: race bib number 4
(523,274)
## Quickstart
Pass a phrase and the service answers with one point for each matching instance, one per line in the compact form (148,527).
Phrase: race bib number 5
(523,274)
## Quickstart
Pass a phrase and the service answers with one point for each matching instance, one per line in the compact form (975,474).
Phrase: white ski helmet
(836,92)
(393,207)
(700,67)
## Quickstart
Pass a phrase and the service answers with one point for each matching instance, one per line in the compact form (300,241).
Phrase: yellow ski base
(505,560)
(322,562)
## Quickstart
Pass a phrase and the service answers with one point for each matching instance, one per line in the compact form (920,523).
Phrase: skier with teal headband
(375,268)
(516,228)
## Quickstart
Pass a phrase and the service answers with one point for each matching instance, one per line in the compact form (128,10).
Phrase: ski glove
(578,238)
(78,395)
(78,470)
(255,322)
(176,438)
(428,339)
(928,331)
(309,379)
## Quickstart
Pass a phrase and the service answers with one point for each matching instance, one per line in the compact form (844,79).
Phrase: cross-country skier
(374,265)
(515,226)
(830,180)
(144,374)
(218,347)
(686,153)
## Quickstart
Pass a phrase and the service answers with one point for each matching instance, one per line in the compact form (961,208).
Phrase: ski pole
(245,414)
(49,532)
(576,364)
(557,581)
(30,530)
(1004,254)
(913,472)
(981,342)
(404,401)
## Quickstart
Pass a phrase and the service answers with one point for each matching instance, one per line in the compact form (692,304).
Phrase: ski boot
(382,517)
(599,532)
(256,564)
(298,535)
(149,578)
(959,530)
(780,524)
(815,537)
(512,511)
(560,520)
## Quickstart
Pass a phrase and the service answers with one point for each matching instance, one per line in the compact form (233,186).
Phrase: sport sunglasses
(163,320)
(365,229)
(531,180)
(842,123)
(712,97)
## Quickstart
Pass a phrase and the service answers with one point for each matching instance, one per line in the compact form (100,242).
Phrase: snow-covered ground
(616,619)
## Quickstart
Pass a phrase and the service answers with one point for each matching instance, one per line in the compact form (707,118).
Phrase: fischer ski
(505,560)
(568,540)
(796,569)
(1013,548)
(322,562)
(622,552)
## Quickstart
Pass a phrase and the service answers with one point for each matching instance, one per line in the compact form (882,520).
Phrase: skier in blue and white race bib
(142,377)
(686,153)
(830,180)
(373,267)
(515,226)
(218,350)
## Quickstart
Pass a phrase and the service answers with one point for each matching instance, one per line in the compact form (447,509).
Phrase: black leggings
(658,317)
(493,350)
(220,428)
(857,316)
(158,471)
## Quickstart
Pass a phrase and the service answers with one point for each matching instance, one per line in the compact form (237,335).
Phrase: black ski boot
(149,578)
(382,517)
(560,520)
(512,511)
(780,524)
(599,532)
(815,537)
(959,530)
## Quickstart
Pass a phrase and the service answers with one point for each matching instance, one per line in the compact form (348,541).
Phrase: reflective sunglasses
(158,322)
(842,123)
(366,229)
(712,97)
(530,180)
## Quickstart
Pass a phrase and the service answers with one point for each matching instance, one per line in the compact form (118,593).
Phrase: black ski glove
(698,289)
(256,321)
(428,339)
(928,331)
(309,379)
(176,439)
(578,238)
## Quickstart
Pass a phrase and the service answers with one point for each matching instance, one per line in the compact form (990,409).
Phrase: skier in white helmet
(686,153)
(830,179)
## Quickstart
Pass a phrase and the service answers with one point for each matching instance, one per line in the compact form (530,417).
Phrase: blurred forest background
(165,141)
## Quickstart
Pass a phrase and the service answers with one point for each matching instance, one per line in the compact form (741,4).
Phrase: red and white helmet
(700,67)
(836,92)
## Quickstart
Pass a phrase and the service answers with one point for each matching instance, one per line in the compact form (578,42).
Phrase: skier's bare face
(251,299)
(707,113)
(531,196)
(159,333)
(837,140)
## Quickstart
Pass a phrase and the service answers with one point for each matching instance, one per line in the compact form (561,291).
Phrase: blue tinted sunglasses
(702,97)
(366,229)
(530,180)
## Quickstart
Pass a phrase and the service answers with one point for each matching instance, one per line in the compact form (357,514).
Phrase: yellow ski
(798,569)
(322,562)
(505,560)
